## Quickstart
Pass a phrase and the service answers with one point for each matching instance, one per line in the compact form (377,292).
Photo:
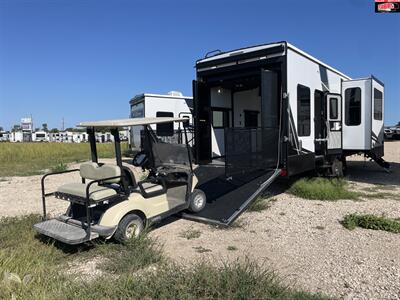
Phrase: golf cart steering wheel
(140,159)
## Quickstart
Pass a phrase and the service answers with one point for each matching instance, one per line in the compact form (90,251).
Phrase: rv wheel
(197,201)
(131,226)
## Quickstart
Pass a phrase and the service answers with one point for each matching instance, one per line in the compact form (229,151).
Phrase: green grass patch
(36,268)
(352,221)
(201,249)
(190,234)
(237,280)
(24,159)
(132,256)
(322,189)
(231,248)
(261,203)
(60,167)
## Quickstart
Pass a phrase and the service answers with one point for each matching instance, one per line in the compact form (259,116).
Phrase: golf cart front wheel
(131,226)
(197,200)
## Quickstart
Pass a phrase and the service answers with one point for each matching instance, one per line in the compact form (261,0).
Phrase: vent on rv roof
(175,93)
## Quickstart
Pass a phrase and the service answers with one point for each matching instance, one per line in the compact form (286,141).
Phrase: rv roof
(130,122)
(266,46)
(141,96)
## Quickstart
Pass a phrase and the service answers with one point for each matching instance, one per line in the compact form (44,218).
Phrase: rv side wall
(303,71)
(378,114)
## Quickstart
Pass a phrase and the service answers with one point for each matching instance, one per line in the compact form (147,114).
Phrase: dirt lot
(301,239)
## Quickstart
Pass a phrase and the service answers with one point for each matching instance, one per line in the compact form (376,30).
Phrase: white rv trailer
(16,136)
(273,110)
(146,105)
(4,136)
(40,136)
(322,115)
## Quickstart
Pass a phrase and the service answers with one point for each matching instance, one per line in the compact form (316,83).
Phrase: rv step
(379,160)
(63,232)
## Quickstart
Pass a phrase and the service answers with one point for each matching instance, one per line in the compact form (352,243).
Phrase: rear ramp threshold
(228,198)
(63,232)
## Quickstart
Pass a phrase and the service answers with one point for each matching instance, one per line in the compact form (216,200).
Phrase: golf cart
(111,201)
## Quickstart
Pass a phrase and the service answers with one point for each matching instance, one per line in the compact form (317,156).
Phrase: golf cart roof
(130,122)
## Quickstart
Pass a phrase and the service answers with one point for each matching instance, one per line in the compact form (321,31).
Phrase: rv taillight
(283,173)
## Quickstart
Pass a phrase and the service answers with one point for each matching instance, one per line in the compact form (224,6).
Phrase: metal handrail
(87,202)
(44,195)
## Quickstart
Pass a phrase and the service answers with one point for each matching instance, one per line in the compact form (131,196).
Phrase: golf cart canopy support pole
(92,139)
(117,143)
(188,149)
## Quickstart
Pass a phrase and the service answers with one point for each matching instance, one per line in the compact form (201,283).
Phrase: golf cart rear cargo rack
(86,201)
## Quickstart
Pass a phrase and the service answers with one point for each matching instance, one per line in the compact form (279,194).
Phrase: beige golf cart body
(111,197)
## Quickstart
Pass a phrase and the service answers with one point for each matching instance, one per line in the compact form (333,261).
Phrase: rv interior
(237,138)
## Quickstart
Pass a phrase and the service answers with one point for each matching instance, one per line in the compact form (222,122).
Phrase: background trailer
(173,105)
(273,109)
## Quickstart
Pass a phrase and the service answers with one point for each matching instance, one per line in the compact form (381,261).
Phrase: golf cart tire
(130,219)
(194,197)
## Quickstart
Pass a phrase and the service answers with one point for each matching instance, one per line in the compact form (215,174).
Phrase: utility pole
(62,124)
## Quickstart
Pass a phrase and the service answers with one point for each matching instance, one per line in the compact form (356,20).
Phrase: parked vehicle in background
(392,132)
(172,105)
(389,133)
(4,136)
(40,136)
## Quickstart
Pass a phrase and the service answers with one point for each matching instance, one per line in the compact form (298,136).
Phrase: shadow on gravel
(370,172)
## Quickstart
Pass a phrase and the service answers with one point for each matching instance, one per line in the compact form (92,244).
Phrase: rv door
(202,121)
(334,121)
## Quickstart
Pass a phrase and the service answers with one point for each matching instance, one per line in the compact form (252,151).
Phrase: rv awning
(130,122)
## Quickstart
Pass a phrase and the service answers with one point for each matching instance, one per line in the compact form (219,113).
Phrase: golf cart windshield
(166,153)
(161,152)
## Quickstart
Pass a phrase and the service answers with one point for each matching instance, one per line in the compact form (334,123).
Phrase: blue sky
(84,60)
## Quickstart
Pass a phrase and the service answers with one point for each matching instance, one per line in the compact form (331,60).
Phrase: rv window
(353,106)
(303,111)
(165,129)
(220,118)
(378,96)
(333,108)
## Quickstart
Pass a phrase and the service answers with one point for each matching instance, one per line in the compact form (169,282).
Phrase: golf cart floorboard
(227,199)
(63,232)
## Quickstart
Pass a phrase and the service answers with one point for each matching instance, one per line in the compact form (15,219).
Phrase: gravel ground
(301,239)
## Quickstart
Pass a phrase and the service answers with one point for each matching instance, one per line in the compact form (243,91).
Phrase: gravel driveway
(301,239)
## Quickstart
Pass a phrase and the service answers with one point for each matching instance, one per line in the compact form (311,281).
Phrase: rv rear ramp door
(228,197)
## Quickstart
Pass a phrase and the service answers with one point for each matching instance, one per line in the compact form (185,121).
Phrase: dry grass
(24,159)
(35,268)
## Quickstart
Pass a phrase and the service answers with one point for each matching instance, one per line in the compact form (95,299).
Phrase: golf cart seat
(150,187)
(91,171)
(97,192)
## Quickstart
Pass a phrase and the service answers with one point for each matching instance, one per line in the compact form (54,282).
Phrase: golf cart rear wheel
(197,200)
(131,226)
